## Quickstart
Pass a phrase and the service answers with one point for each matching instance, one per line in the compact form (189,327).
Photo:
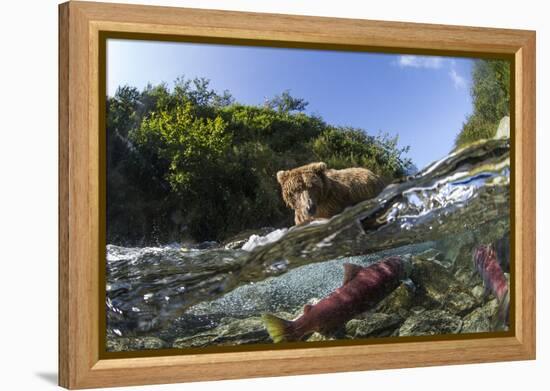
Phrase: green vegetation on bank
(190,163)
(491,99)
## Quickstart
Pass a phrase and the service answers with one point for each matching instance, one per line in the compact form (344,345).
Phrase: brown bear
(314,191)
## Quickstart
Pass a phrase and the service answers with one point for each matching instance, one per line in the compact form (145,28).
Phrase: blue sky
(423,99)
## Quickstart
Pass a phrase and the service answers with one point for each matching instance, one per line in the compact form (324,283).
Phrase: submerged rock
(397,302)
(434,255)
(439,286)
(478,292)
(124,344)
(236,332)
(431,322)
(460,301)
(373,325)
(467,277)
(481,319)
(196,341)
(457,250)
(317,337)
(417,309)
(431,254)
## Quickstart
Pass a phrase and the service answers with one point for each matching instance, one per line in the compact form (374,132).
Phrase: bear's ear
(281,176)
(319,167)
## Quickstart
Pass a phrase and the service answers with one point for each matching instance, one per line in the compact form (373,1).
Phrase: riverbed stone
(236,332)
(431,254)
(318,337)
(417,309)
(373,325)
(397,302)
(478,292)
(481,319)
(457,249)
(460,301)
(436,284)
(124,344)
(468,277)
(431,322)
(436,256)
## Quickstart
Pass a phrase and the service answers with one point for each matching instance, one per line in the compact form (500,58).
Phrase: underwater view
(233,224)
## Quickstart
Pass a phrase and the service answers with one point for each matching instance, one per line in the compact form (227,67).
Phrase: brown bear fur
(314,191)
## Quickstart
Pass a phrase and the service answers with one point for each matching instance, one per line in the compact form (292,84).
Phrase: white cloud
(428,62)
(458,80)
(435,63)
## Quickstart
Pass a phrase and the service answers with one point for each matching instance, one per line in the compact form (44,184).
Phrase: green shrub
(491,98)
(191,164)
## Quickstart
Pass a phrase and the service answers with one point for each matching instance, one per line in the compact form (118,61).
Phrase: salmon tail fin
(279,330)
(500,320)
(504,309)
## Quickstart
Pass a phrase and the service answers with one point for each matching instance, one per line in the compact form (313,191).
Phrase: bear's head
(302,189)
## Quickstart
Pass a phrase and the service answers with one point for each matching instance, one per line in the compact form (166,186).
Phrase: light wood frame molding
(80,201)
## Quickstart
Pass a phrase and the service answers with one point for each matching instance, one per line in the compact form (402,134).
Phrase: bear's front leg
(300,218)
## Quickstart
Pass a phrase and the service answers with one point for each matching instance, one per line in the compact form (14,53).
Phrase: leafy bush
(349,147)
(491,97)
(192,164)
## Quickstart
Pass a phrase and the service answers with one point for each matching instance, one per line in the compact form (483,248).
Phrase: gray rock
(400,300)
(478,292)
(439,286)
(459,301)
(431,322)
(236,332)
(481,319)
(457,250)
(417,309)
(373,325)
(196,341)
(468,277)
(124,344)
(431,255)
(317,337)
(503,130)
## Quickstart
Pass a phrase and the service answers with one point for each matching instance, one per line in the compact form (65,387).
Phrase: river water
(173,291)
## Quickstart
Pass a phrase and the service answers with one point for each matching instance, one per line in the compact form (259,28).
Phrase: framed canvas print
(247,195)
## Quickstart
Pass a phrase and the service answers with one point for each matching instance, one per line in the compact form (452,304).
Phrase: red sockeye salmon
(362,289)
(487,265)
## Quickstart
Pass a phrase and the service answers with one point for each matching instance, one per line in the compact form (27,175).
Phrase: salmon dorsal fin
(307,308)
(350,271)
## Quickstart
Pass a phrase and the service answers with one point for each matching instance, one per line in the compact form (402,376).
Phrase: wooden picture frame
(81,191)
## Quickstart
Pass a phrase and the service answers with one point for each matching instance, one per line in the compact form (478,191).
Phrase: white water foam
(118,253)
(257,240)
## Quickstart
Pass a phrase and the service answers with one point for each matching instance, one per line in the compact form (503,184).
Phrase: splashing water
(256,240)
(153,288)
